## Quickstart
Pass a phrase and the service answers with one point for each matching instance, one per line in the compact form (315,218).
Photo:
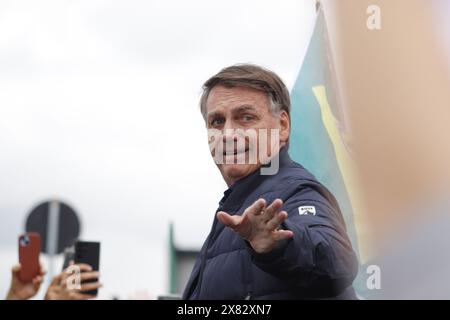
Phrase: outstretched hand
(259,225)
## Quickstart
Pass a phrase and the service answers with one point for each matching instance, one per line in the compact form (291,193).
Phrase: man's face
(230,109)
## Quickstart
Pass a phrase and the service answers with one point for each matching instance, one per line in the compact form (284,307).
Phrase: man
(275,236)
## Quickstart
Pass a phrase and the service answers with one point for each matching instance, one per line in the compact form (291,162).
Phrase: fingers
(37,280)
(81,277)
(76,268)
(233,221)
(275,222)
(82,270)
(278,219)
(228,220)
(90,286)
(271,210)
(73,295)
(89,275)
(84,267)
(56,279)
(256,208)
(282,235)
(16,269)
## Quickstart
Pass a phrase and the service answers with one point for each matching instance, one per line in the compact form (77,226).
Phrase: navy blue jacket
(318,262)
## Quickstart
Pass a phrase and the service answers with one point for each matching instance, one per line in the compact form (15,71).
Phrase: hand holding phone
(26,277)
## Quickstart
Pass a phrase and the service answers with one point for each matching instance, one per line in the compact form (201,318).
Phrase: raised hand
(259,225)
(24,290)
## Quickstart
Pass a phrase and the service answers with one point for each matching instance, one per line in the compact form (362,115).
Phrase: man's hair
(251,76)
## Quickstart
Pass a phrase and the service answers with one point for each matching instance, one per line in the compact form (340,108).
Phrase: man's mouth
(234,152)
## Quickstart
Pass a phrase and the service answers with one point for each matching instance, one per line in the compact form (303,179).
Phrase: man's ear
(285,127)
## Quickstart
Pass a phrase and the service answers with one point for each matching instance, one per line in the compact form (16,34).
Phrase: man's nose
(229,135)
(229,131)
(229,124)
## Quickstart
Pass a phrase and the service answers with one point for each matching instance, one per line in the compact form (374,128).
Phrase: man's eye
(248,118)
(217,122)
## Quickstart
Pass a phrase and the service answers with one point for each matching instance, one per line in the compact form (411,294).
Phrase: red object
(29,250)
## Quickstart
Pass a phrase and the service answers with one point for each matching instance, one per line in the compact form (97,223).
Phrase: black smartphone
(89,253)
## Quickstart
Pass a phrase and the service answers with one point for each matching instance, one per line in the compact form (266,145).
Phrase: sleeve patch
(307,210)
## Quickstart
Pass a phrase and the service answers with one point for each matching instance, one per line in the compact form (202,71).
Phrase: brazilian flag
(319,139)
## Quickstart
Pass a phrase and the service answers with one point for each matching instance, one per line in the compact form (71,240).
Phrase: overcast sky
(99,108)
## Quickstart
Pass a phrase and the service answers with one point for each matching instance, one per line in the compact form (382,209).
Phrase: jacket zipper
(249,280)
